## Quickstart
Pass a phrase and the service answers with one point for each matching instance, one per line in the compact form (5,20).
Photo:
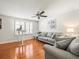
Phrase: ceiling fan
(40,14)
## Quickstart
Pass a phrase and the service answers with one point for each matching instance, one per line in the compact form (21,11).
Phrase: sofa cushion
(74,47)
(53,36)
(40,37)
(64,43)
(43,34)
(49,34)
(47,40)
(63,38)
(59,53)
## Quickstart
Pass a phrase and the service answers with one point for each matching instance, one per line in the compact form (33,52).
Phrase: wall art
(52,23)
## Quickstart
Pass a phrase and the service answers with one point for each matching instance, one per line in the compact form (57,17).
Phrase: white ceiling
(27,8)
(60,7)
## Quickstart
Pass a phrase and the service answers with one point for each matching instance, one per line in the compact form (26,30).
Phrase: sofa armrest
(59,53)
(47,40)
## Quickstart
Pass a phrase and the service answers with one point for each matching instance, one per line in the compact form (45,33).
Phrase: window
(31,27)
(27,27)
(19,27)
(23,27)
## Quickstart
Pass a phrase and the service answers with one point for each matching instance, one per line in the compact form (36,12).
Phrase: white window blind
(29,27)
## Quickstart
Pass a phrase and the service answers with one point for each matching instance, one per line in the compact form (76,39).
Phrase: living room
(22,20)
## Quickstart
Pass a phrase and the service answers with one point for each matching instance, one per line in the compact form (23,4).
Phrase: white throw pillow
(49,34)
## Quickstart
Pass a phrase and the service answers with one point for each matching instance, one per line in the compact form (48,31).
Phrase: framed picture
(52,23)
(0,23)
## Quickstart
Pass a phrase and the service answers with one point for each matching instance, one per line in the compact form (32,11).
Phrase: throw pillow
(53,36)
(49,34)
(74,47)
(44,34)
(63,44)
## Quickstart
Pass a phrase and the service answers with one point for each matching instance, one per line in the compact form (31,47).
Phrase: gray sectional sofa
(63,47)
(71,52)
(51,52)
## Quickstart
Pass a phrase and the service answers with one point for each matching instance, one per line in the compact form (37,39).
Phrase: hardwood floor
(32,49)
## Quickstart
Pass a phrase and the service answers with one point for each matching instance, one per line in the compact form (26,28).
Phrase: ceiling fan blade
(43,15)
(42,12)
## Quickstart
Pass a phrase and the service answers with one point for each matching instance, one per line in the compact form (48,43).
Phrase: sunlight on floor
(24,51)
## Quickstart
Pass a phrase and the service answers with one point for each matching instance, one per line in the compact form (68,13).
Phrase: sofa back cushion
(63,44)
(74,47)
(60,38)
(49,34)
(43,34)
(53,36)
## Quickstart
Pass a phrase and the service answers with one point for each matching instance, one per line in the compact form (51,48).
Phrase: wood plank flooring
(32,49)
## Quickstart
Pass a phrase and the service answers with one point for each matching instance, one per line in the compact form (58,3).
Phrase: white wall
(66,12)
(65,20)
(69,19)
(7,31)
(43,25)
